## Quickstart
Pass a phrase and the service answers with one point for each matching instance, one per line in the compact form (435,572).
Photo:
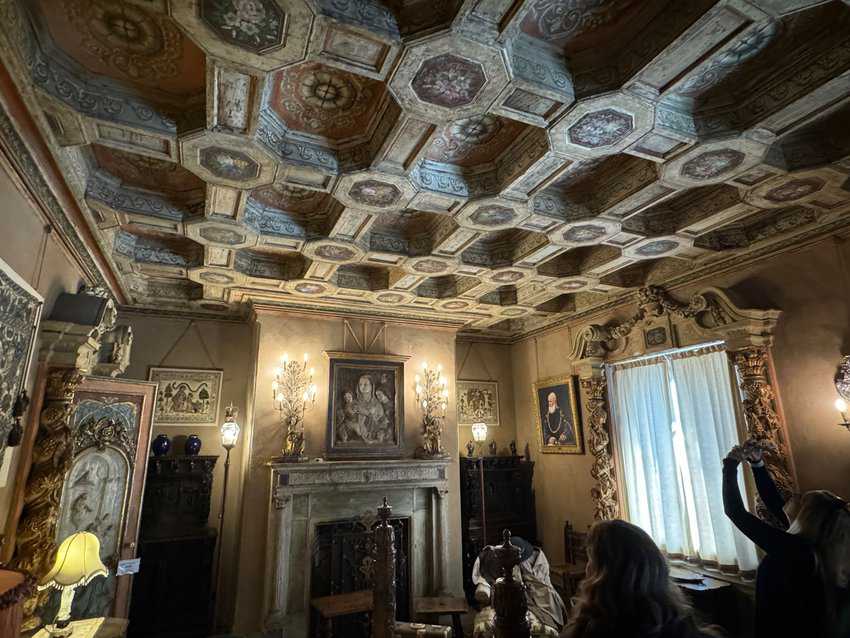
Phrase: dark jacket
(790,592)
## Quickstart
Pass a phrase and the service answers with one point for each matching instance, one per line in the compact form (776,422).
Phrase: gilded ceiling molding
(662,322)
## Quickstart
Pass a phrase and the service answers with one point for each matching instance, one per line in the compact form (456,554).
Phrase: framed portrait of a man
(366,406)
(557,412)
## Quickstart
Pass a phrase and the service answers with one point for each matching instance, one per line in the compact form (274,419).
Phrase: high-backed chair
(566,576)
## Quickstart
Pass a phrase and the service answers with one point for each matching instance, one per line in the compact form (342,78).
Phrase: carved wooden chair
(567,575)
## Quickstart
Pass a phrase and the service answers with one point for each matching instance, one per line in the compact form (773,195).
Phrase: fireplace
(317,542)
(343,562)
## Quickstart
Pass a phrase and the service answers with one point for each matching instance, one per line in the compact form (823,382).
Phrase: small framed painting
(366,405)
(186,396)
(478,402)
(557,411)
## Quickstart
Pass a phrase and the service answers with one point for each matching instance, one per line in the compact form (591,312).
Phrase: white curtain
(674,421)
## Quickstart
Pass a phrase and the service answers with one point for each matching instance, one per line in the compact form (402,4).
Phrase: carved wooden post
(383,616)
(607,505)
(509,594)
(595,390)
(763,423)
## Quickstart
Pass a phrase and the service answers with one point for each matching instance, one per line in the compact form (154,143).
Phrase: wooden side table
(432,607)
(330,607)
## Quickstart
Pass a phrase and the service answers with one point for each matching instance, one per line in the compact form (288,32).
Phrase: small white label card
(129,566)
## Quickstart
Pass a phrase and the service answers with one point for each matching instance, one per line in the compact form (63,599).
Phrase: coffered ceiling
(492,164)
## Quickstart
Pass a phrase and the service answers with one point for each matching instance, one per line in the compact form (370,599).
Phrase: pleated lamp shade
(77,562)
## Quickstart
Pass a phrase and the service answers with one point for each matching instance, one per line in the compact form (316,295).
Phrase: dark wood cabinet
(173,590)
(509,504)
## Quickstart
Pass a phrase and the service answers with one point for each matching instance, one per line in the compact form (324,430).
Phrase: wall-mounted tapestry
(478,402)
(20,312)
(186,396)
(556,406)
(366,405)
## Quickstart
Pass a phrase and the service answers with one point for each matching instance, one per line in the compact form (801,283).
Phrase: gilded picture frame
(186,396)
(558,415)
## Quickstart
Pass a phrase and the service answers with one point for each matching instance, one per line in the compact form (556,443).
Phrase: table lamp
(77,563)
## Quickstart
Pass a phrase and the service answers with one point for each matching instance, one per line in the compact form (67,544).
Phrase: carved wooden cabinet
(509,504)
(110,433)
(173,591)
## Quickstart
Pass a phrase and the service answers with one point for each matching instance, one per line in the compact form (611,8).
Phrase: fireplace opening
(343,562)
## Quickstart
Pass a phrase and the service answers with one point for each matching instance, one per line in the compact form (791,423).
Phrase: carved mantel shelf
(303,496)
(314,476)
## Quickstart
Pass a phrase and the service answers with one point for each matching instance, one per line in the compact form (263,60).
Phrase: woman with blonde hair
(801,582)
(627,591)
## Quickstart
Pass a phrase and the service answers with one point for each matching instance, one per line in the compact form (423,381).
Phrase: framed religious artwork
(365,405)
(557,413)
(186,396)
(478,402)
(20,313)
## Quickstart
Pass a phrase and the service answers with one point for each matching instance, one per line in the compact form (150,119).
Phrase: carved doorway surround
(662,322)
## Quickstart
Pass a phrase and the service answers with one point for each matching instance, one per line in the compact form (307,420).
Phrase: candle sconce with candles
(432,397)
(294,393)
(842,387)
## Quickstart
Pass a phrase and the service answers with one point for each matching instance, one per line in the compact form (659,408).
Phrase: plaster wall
(812,288)
(294,334)
(186,343)
(22,230)
(478,361)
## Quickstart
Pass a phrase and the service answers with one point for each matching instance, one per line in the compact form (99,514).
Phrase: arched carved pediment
(661,321)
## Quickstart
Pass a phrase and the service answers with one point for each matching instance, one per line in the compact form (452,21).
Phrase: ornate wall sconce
(294,393)
(432,396)
(842,386)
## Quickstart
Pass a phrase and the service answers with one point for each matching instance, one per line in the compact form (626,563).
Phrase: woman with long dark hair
(801,581)
(627,591)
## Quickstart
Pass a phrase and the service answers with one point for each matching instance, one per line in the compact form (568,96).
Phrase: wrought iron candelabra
(432,396)
(294,393)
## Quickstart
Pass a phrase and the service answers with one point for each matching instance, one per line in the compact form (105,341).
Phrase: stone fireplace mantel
(304,495)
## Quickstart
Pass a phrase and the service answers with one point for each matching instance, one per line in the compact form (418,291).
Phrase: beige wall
(279,333)
(812,288)
(21,228)
(161,341)
(490,362)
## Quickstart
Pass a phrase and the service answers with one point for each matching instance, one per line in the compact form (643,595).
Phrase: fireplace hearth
(323,512)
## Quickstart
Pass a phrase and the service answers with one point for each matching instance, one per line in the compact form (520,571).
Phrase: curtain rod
(667,353)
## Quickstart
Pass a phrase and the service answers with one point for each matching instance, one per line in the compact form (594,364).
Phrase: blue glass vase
(160,446)
(193,445)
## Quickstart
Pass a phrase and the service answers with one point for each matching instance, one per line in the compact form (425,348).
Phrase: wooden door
(103,490)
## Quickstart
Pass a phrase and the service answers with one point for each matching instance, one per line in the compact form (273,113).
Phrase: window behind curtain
(674,421)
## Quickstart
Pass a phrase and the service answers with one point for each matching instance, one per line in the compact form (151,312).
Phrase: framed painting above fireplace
(365,405)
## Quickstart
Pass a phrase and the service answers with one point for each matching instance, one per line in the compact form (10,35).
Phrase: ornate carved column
(594,387)
(599,441)
(383,615)
(763,422)
(51,459)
